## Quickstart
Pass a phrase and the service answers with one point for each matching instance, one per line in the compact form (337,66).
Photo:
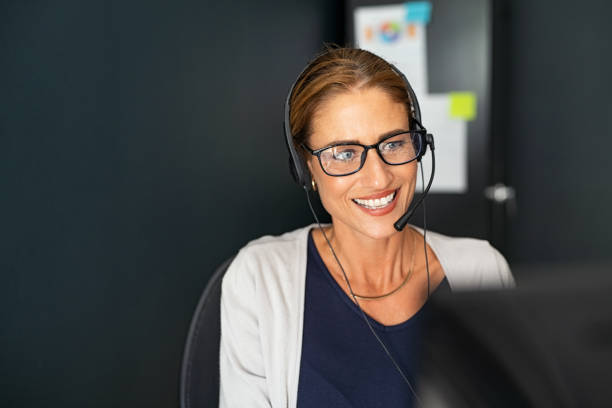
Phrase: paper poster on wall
(385,31)
(451,145)
(398,34)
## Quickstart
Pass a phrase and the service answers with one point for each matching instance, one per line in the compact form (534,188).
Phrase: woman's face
(364,116)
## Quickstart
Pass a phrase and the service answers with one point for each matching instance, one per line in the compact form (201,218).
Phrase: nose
(375,172)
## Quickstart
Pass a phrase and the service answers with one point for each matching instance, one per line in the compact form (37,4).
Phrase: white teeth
(376,203)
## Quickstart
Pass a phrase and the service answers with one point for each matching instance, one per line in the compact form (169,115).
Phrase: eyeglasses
(342,159)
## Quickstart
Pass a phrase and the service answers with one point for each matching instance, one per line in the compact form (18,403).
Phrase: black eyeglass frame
(419,132)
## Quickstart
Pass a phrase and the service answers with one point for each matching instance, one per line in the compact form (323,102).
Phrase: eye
(344,155)
(393,145)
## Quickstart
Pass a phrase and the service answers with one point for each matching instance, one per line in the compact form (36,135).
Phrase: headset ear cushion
(307,180)
(293,170)
(422,137)
(304,173)
(423,145)
(299,172)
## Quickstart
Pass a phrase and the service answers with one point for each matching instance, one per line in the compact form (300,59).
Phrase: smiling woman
(332,315)
(367,115)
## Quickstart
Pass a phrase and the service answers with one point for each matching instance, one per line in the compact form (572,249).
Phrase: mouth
(378,203)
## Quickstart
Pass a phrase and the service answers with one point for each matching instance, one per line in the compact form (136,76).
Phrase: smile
(377,203)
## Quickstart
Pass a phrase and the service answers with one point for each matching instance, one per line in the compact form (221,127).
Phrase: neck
(373,265)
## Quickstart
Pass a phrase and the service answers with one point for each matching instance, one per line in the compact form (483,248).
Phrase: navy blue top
(342,363)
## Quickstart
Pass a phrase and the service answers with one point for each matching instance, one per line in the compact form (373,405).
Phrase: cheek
(333,192)
(408,172)
(410,181)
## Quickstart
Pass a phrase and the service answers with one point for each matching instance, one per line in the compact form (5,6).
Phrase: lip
(380,211)
(378,195)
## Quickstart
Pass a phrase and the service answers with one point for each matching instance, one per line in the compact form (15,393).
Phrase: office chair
(199,385)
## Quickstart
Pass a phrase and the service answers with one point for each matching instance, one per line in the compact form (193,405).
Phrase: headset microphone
(401,223)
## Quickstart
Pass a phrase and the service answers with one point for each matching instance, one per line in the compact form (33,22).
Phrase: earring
(314,185)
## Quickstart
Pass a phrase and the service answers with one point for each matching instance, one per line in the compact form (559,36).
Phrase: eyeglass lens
(346,159)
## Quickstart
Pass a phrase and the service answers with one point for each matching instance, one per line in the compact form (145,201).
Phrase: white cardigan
(262,310)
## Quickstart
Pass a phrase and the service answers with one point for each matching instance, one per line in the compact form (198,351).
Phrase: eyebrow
(354,141)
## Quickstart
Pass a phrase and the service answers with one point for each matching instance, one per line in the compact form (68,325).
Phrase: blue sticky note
(418,12)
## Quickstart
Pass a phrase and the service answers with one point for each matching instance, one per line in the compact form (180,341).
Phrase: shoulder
(269,258)
(470,263)
(271,250)
(277,244)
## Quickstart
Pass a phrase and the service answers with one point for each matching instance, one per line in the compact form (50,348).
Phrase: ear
(309,164)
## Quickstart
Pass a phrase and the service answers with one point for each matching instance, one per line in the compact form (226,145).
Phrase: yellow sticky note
(463,105)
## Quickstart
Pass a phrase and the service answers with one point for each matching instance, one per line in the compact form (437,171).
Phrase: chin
(379,229)
(372,229)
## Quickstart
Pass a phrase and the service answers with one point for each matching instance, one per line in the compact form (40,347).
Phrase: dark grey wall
(555,71)
(140,145)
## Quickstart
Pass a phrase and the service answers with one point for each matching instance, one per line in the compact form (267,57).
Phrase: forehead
(362,115)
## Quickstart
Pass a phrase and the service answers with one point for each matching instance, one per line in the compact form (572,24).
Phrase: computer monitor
(547,343)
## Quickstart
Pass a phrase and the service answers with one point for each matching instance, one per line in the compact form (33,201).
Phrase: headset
(301,175)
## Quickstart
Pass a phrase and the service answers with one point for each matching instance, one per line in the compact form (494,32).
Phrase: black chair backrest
(200,369)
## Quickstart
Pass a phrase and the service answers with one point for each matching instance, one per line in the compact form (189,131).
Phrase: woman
(293,309)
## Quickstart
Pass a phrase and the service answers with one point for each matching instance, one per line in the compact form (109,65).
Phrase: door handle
(500,193)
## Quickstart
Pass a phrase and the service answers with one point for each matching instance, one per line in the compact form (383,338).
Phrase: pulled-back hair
(335,71)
